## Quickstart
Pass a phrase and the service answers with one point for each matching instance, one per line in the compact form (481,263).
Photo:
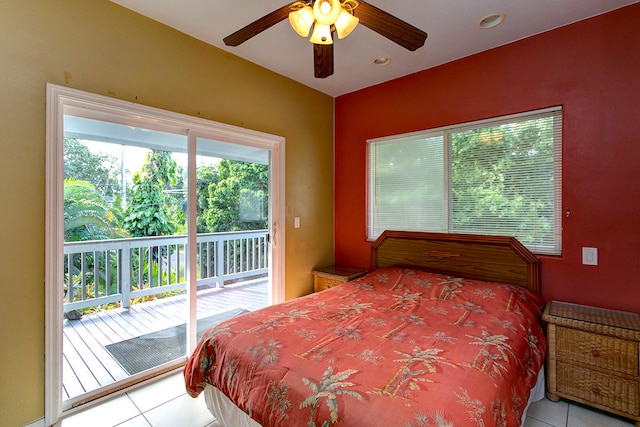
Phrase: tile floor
(164,403)
(564,414)
(161,403)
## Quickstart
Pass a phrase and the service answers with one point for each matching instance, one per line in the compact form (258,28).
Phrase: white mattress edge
(229,415)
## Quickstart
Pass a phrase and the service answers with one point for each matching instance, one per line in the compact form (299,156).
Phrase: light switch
(590,256)
(296,222)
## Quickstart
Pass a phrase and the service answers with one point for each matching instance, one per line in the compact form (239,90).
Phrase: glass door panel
(232,219)
(125,222)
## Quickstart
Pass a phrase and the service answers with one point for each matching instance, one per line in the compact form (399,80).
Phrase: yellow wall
(100,47)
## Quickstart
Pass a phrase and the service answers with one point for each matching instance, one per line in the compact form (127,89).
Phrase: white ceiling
(451,26)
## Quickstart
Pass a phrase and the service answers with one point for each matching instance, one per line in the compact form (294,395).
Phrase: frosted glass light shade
(301,20)
(345,23)
(321,34)
(326,11)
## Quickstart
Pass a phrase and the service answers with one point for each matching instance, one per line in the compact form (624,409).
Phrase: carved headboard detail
(491,258)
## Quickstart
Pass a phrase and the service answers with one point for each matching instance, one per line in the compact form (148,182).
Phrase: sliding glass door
(159,226)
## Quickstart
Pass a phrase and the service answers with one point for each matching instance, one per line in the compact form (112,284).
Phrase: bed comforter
(396,347)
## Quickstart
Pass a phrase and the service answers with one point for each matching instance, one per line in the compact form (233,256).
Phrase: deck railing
(118,271)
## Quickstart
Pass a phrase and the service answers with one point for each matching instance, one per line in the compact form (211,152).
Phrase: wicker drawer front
(598,350)
(607,390)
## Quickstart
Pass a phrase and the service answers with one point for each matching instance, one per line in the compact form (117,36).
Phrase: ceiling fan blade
(387,25)
(322,60)
(258,26)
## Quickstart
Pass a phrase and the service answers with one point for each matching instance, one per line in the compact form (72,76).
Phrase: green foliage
(151,275)
(205,175)
(237,197)
(101,170)
(152,210)
(87,215)
(494,172)
(103,288)
(230,196)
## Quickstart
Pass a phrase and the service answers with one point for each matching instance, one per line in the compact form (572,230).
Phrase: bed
(445,330)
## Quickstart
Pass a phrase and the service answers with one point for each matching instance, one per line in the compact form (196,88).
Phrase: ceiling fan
(328,17)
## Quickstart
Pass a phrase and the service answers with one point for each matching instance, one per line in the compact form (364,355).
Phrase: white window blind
(500,177)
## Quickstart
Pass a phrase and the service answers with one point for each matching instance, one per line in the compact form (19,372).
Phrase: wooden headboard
(490,258)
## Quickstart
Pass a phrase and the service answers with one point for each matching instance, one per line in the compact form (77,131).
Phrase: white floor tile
(139,421)
(165,404)
(551,413)
(583,416)
(158,392)
(532,422)
(183,411)
(107,414)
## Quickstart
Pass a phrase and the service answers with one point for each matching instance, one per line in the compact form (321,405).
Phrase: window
(500,176)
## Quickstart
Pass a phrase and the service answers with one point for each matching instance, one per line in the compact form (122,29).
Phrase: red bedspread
(395,348)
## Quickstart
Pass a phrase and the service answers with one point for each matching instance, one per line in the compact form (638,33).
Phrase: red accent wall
(591,69)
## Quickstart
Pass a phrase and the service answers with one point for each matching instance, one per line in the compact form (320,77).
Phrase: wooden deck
(87,365)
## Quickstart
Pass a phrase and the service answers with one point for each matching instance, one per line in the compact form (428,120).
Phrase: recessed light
(381,61)
(491,20)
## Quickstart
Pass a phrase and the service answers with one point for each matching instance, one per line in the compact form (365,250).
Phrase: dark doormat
(147,351)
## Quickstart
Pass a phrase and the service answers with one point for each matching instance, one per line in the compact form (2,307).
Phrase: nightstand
(328,277)
(593,357)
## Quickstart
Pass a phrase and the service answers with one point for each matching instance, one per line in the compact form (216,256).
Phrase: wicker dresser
(328,277)
(593,357)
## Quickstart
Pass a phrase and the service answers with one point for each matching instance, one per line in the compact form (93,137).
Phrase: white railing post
(240,247)
(125,274)
(219,261)
(70,291)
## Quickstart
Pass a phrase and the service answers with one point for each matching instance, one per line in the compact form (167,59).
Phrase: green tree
(87,215)
(101,170)
(205,175)
(494,171)
(153,210)
(238,197)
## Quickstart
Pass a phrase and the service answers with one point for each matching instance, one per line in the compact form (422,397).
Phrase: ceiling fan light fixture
(321,34)
(301,20)
(345,24)
(327,11)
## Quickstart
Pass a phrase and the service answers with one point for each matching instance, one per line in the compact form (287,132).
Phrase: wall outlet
(590,256)
(296,222)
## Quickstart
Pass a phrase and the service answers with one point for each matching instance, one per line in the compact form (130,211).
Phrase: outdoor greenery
(231,196)
(495,172)
(237,197)
(153,211)
(88,215)
(101,170)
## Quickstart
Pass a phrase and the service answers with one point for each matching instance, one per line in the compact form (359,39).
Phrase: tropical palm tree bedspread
(396,347)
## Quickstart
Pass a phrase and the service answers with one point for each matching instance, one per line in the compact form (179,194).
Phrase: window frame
(445,132)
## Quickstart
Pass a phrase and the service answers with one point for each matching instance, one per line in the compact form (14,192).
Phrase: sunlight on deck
(88,365)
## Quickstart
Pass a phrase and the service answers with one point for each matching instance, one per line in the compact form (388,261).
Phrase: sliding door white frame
(89,105)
